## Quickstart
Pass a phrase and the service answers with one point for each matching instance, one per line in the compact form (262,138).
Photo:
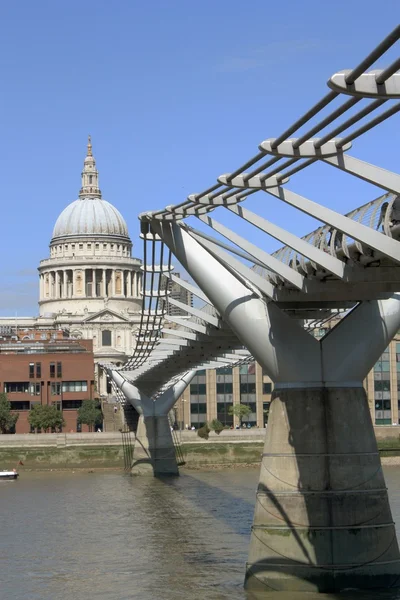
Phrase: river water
(107,536)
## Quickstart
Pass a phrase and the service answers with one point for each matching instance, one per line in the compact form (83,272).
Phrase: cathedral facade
(90,285)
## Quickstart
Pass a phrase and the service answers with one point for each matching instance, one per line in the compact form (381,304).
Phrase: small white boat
(7,475)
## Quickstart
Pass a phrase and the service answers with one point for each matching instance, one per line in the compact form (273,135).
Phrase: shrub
(204,432)
(7,418)
(217,426)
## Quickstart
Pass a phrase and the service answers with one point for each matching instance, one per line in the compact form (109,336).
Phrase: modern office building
(212,392)
(179,294)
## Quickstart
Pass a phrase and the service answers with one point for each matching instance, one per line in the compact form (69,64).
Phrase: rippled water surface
(105,535)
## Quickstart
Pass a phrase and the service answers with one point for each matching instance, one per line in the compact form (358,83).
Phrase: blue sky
(174,94)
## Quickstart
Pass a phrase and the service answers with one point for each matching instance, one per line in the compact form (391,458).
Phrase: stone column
(134,284)
(105,283)
(73,281)
(113,282)
(65,284)
(94,283)
(137,284)
(129,292)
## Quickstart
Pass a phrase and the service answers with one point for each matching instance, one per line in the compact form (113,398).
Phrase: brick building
(56,372)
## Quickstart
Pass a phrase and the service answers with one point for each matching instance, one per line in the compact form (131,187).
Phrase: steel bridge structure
(322,519)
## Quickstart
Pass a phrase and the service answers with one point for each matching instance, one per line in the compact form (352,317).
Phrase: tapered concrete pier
(154,450)
(322,520)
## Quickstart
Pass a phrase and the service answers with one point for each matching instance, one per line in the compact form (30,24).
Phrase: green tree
(90,414)
(217,426)
(204,431)
(45,417)
(7,418)
(240,411)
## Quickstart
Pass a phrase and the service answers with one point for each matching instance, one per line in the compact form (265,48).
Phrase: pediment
(106,316)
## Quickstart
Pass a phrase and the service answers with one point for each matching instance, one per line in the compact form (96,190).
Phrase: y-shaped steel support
(322,520)
(154,451)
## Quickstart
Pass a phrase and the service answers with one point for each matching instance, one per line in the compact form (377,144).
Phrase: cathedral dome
(90,217)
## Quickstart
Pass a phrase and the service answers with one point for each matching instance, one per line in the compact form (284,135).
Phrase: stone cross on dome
(90,176)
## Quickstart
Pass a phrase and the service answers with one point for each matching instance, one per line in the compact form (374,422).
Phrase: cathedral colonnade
(92,282)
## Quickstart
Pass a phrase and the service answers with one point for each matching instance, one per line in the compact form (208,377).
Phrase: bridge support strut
(322,520)
(154,450)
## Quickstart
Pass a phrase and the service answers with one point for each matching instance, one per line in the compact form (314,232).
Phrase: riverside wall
(105,450)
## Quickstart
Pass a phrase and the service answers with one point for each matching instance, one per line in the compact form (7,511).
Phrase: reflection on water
(109,536)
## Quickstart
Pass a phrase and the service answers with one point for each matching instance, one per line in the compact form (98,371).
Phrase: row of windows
(226,387)
(35,370)
(27,387)
(27,405)
(58,250)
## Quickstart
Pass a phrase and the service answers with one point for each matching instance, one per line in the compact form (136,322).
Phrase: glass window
(382,386)
(16,387)
(267,387)
(34,389)
(223,371)
(31,369)
(55,388)
(71,404)
(74,386)
(59,369)
(106,337)
(52,369)
(20,405)
(38,370)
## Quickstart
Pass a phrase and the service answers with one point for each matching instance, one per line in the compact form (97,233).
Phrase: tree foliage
(90,414)
(217,426)
(204,431)
(45,417)
(7,418)
(240,411)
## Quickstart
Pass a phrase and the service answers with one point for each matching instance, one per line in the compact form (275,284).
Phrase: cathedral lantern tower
(90,176)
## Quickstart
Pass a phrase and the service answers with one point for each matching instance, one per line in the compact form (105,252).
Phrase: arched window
(106,337)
